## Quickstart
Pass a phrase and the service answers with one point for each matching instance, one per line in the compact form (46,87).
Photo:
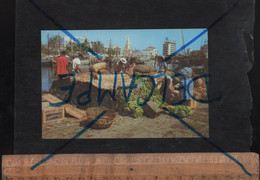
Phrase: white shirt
(75,62)
(187,72)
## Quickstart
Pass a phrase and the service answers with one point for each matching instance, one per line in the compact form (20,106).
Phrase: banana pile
(141,92)
(180,110)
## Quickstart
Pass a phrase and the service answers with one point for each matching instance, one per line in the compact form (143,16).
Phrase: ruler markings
(155,166)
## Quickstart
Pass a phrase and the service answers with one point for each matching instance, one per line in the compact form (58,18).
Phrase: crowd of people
(121,65)
(124,65)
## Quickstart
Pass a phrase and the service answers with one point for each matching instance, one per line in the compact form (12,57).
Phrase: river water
(48,75)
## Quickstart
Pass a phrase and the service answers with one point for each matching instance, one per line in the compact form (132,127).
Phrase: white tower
(128,50)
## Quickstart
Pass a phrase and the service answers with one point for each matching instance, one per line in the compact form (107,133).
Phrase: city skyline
(139,38)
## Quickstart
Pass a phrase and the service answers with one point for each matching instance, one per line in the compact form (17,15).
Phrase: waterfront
(48,74)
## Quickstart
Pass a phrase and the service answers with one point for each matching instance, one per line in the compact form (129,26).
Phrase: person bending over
(75,65)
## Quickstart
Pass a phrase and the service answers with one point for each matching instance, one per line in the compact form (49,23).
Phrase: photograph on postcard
(135,76)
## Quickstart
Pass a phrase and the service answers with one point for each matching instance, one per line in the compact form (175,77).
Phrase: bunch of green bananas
(134,108)
(144,87)
(157,100)
(182,111)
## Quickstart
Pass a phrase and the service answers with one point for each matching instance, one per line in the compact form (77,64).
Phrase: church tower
(127,50)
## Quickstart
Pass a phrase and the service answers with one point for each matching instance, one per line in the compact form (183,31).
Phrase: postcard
(132,76)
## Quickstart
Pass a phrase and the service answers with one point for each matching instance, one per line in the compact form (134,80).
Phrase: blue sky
(139,39)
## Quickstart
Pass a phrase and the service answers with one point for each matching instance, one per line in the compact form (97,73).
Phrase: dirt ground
(163,126)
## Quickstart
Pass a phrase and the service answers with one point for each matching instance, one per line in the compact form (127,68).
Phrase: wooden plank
(69,109)
(75,112)
(168,166)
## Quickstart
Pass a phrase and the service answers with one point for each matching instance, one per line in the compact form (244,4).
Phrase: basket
(104,122)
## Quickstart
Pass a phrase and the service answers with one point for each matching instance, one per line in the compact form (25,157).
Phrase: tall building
(127,50)
(182,42)
(169,47)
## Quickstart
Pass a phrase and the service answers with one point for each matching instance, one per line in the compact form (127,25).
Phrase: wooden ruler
(168,166)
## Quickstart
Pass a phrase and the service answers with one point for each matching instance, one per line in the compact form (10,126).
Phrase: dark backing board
(229,63)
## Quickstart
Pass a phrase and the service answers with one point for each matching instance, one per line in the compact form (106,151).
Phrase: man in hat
(120,65)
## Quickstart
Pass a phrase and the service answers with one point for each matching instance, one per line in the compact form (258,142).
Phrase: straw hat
(123,60)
